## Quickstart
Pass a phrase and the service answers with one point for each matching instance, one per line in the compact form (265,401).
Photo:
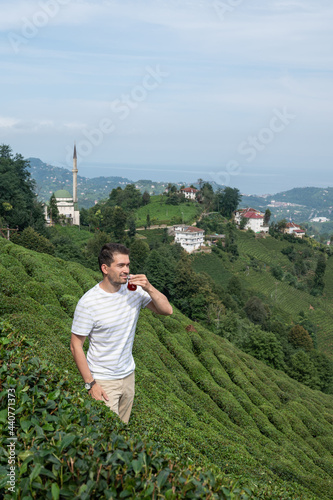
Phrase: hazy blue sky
(235,91)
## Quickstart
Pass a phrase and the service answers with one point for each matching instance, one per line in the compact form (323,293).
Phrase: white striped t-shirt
(109,319)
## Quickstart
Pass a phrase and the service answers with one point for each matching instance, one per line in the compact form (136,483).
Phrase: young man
(108,314)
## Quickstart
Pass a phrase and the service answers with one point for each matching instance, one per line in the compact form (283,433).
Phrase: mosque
(67,204)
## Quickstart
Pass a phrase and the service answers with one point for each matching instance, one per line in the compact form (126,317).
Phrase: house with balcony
(189,237)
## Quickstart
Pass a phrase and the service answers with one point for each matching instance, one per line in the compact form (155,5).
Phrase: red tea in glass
(130,286)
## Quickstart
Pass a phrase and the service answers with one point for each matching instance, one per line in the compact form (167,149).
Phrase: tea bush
(69,446)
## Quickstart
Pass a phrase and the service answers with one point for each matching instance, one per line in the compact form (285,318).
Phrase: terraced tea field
(288,300)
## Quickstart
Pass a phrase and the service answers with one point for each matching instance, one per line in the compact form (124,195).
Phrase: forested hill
(309,197)
(210,412)
(49,179)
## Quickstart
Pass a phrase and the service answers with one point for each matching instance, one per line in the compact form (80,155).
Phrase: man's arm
(159,303)
(80,359)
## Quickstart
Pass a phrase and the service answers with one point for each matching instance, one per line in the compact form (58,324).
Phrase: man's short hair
(107,252)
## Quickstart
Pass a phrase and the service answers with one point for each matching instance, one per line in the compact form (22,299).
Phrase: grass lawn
(161,213)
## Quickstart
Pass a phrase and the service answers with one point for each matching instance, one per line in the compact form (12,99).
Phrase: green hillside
(253,266)
(162,213)
(218,419)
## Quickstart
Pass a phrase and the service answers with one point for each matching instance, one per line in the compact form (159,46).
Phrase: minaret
(74,175)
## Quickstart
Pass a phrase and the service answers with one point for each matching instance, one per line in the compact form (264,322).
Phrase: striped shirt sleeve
(83,321)
(146,298)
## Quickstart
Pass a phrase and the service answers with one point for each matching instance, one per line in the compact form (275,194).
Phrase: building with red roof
(295,229)
(189,192)
(255,219)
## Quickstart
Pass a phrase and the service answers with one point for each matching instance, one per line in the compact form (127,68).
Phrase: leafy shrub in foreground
(69,446)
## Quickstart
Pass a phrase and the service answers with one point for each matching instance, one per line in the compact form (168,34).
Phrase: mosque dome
(62,193)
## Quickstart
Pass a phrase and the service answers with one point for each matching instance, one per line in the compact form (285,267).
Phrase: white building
(67,207)
(255,219)
(189,237)
(295,229)
(189,193)
(320,219)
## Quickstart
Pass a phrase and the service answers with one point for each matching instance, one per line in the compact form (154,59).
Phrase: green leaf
(5,341)
(35,472)
(3,416)
(54,395)
(66,441)
(25,454)
(169,495)
(162,477)
(125,493)
(25,424)
(82,489)
(137,466)
(48,427)
(55,491)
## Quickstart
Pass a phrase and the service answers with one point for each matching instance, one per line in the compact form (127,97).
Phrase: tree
(207,195)
(131,228)
(243,223)
(320,268)
(155,270)
(145,198)
(299,337)
(95,217)
(175,199)
(84,214)
(318,282)
(267,216)
(131,198)
(165,235)
(118,223)
(111,220)
(281,225)
(302,368)
(256,310)
(138,256)
(235,287)
(266,347)
(94,246)
(52,210)
(171,188)
(18,203)
(227,201)
(324,367)
(115,197)
(277,272)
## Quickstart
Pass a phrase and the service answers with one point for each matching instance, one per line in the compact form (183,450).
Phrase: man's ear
(104,269)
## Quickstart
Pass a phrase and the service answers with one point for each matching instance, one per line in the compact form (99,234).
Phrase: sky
(237,92)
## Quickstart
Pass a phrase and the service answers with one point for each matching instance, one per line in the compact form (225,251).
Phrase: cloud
(7,122)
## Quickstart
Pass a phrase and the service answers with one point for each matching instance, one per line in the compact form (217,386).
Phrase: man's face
(118,270)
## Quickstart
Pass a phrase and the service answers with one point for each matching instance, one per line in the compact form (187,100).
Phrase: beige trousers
(121,395)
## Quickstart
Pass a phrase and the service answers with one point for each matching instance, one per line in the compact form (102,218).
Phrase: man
(108,314)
